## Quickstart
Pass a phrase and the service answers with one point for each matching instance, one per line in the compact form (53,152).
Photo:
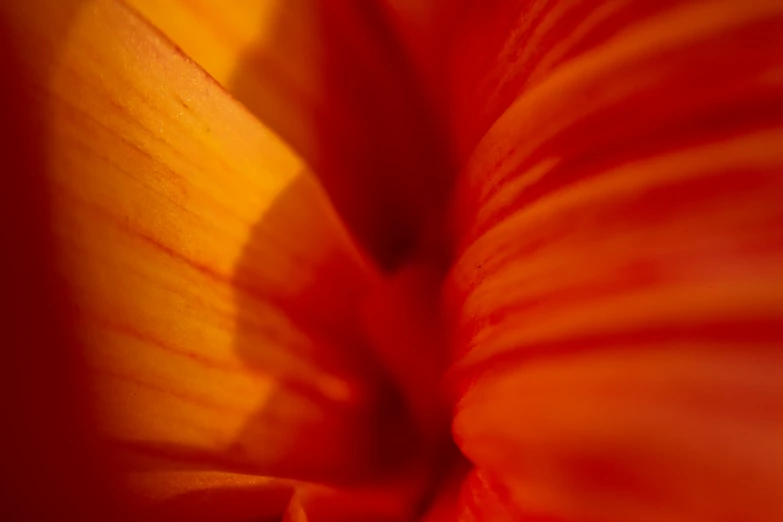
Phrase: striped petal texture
(617,301)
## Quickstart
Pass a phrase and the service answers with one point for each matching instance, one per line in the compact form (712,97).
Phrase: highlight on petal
(282,84)
(196,247)
(207,496)
(337,81)
(616,303)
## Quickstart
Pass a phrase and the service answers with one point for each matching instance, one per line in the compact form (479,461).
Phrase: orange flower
(551,232)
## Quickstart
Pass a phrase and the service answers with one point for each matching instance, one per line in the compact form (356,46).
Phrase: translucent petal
(211,288)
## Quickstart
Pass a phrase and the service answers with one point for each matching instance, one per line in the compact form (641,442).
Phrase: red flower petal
(617,297)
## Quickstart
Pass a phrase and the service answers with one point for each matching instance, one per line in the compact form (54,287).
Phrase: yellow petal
(283,80)
(196,249)
(335,80)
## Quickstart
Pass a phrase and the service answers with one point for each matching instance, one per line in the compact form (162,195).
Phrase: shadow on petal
(333,414)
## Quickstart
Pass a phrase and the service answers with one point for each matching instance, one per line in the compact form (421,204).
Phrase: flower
(551,231)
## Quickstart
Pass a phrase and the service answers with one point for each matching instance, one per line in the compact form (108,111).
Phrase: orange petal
(336,82)
(212,286)
(617,302)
